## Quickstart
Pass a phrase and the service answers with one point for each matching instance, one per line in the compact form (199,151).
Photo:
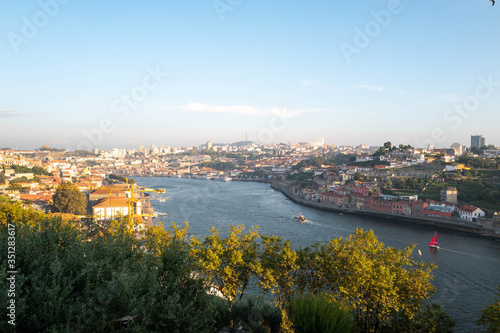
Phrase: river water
(468,270)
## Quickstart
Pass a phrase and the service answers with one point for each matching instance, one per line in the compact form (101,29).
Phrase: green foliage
(380,284)
(221,311)
(3,178)
(372,163)
(15,212)
(479,163)
(410,183)
(257,315)
(121,178)
(316,313)
(68,199)
(81,153)
(339,158)
(313,161)
(35,170)
(51,149)
(19,180)
(301,176)
(431,319)
(476,192)
(84,280)
(229,262)
(278,262)
(221,166)
(490,317)
(69,283)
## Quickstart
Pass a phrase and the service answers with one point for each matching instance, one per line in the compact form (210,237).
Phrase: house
(469,213)
(336,199)
(113,207)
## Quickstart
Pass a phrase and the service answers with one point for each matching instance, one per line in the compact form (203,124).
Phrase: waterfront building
(449,194)
(438,209)
(469,213)
(111,207)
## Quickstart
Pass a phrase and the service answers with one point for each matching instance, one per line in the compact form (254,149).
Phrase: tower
(477,141)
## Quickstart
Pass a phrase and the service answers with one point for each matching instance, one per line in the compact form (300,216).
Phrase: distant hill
(237,144)
(242,143)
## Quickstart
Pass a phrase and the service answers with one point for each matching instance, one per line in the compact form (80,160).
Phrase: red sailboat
(434,241)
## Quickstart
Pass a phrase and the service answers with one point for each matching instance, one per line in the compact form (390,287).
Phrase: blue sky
(355,72)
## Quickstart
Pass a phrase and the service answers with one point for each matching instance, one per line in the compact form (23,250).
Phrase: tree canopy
(68,199)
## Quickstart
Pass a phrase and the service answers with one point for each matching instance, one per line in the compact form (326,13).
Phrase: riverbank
(464,226)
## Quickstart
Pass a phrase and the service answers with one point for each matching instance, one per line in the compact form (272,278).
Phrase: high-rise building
(141,149)
(477,141)
(320,141)
(458,149)
(209,145)
(95,151)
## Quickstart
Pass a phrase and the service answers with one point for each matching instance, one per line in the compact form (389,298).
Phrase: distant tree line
(221,166)
(121,178)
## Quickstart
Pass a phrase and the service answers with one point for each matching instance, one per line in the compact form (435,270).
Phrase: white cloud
(372,114)
(307,82)
(244,109)
(10,113)
(374,88)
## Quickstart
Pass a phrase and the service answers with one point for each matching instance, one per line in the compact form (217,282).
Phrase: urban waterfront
(468,270)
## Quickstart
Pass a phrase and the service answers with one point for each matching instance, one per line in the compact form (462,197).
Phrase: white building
(469,213)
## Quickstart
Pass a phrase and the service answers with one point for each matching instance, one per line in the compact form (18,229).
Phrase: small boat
(300,217)
(419,253)
(434,241)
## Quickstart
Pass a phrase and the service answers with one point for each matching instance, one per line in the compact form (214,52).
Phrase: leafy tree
(19,180)
(221,166)
(121,178)
(381,285)
(67,282)
(490,317)
(431,319)
(278,262)
(3,178)
(68,199)
(230,262)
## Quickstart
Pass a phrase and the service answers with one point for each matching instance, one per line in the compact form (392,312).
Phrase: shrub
(257,315)
(315,313)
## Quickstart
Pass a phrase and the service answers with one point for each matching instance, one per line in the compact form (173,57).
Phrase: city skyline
(116,75)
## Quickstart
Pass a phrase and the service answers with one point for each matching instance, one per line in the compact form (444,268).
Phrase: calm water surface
(468,270)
